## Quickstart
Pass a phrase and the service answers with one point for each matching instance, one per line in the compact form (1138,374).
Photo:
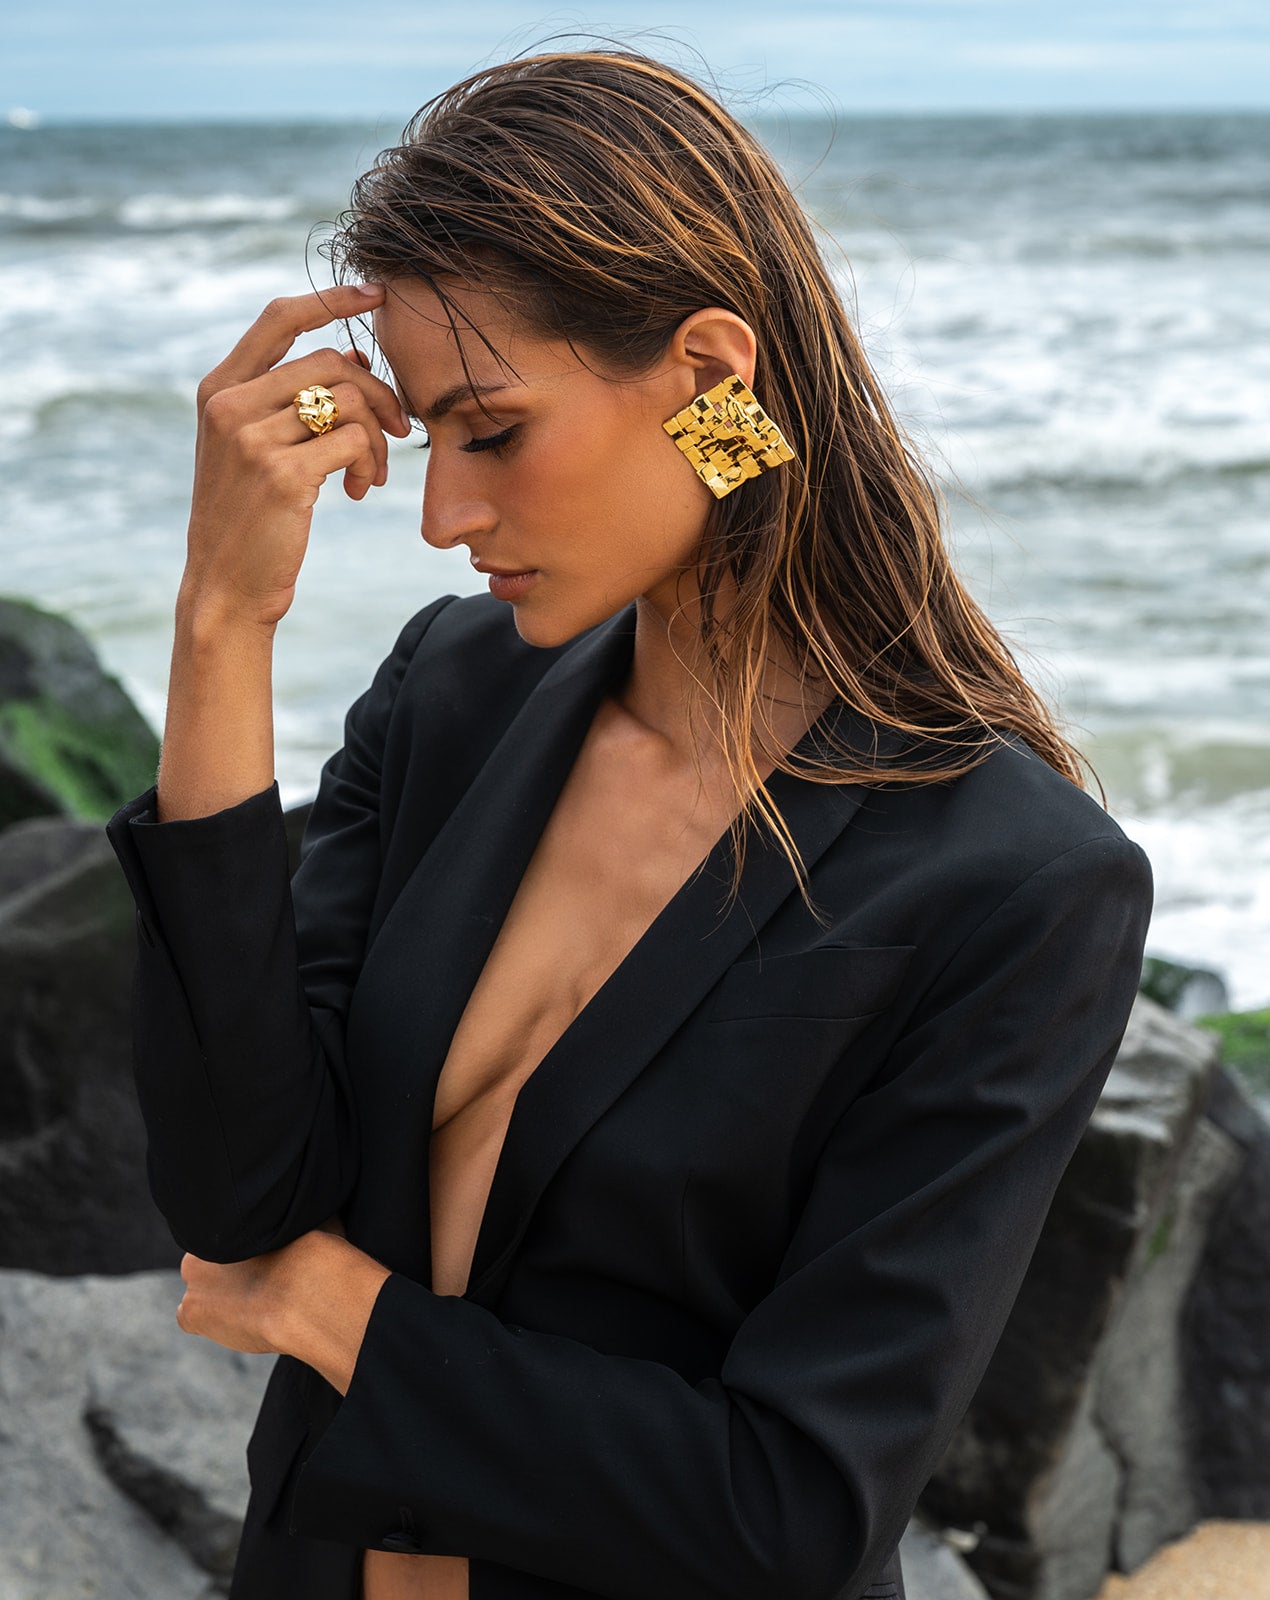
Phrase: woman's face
(573,497)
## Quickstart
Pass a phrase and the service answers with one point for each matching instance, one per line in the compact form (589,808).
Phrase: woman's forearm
(258,471)
(218,734)
(311,1300)
(324,1301)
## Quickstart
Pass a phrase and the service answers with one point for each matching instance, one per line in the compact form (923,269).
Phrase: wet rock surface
(73,1194)
(71,741)
(121,1442)
(1103,1426)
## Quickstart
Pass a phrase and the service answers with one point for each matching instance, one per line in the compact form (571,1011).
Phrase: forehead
(472,333)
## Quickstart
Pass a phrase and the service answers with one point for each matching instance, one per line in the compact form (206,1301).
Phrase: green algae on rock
(71,741)
(1245,1044)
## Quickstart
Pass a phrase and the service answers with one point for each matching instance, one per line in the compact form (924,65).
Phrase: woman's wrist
(218,736)
(323,1293)
(209,618)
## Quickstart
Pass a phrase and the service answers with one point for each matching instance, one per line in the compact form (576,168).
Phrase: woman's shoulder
(1014,815)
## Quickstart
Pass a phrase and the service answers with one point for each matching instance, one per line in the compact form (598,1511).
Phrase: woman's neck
(665,664)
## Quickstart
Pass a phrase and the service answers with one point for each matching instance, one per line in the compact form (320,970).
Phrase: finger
(277,388)
(345,448)
(288,427)
(282,322)
(271,448)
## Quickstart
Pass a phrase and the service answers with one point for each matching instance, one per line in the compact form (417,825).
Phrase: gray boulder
(71,741)
(933,1565)
(73,1193)
(1080,1453)
(1225,1327)
(121,1442)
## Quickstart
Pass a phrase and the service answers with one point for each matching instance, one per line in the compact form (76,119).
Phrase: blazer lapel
(445,921)
(433,944)
(687,949)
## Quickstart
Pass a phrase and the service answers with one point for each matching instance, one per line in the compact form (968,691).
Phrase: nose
(454,511)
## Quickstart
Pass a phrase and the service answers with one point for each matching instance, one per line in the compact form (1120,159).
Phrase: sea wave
(145,213)
(1212,877)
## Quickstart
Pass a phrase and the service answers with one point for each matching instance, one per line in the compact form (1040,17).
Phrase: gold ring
(317,409)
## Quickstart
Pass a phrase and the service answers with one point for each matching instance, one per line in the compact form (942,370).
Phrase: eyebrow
(449,398)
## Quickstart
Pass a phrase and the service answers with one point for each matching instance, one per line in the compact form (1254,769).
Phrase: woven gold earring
(728,437)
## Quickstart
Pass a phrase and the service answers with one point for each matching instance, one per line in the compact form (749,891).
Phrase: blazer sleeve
(795,1470)
(240,992)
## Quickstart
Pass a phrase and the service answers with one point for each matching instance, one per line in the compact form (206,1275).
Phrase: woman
(704,960)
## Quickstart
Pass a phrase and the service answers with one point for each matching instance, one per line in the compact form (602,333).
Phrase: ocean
(1070,313)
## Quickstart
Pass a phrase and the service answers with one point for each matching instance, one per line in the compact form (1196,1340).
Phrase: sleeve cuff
(170,866)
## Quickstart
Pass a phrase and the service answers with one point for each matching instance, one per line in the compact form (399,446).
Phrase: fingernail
(405,420)
(370,290)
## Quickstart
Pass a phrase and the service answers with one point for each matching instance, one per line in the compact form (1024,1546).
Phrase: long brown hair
(611,196)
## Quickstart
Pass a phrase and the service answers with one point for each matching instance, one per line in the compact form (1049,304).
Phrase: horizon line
(44,122)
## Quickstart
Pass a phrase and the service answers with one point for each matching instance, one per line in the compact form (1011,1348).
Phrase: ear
(711,345)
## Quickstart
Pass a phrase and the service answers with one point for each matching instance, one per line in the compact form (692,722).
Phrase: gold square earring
(727,436)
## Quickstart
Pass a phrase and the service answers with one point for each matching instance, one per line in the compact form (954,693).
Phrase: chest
(622,839)
(607,863)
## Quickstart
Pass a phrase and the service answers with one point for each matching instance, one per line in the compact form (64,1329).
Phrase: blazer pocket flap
(836,982)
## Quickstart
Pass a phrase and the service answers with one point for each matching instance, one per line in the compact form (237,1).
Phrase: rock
(71,741)
(73,1192)
(1077,1453)
(1245,1048)
(82,1359)
(1188,992)
(1225,1328)
(933,1570)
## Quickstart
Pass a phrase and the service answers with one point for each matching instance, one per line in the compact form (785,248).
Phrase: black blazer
(761,1213)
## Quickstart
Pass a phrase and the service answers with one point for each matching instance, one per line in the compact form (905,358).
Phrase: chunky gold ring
(317,409)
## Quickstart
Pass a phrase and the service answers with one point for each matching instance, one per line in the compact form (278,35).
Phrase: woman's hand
(258,468)
(257,473)
(311,1300)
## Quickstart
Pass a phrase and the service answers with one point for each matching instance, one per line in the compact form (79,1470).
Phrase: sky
(297,59)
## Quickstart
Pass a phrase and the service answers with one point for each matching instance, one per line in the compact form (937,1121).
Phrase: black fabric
(762,1211)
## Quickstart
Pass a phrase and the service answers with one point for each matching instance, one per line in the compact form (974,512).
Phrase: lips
(489,570)
(507,583)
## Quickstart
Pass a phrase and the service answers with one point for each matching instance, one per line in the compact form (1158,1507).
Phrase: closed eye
(491,441)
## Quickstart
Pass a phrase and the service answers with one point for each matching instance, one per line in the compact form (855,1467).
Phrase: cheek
(608,493)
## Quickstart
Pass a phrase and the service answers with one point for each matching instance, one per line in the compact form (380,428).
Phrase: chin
(548,627)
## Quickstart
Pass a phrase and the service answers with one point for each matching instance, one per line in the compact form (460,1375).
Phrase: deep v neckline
(470,1047)
(436,937)
(717,841)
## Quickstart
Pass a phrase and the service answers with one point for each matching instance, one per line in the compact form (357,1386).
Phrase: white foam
(38,208)
(1212,901)
(175,211)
